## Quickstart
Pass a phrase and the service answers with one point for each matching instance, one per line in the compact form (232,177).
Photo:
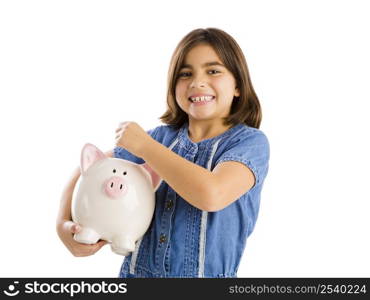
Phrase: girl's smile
(201,99)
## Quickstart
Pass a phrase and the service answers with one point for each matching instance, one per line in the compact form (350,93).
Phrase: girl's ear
(237,92)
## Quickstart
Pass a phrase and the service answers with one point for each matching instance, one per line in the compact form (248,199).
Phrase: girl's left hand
(132,137)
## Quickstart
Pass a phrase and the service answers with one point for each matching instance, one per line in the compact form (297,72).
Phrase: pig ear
(156,180)
(89,155)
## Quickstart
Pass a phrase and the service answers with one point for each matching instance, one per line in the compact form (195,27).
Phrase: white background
(70,71)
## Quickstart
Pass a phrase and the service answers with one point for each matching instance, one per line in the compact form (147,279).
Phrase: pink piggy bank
(114,200)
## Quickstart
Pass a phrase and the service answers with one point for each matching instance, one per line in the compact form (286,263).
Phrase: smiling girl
(212,158)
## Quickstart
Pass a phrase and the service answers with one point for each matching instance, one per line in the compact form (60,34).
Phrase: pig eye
(114,170)
(124,173)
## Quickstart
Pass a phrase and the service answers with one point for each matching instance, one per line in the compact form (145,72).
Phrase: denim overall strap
(138,243)
(203,224)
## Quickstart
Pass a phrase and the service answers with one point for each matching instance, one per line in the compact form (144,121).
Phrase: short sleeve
(252,149)
(122,153)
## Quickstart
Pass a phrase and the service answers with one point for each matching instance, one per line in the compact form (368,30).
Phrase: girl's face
(205,88)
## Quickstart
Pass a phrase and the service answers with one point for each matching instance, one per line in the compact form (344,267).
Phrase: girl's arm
(206,190)
(64,225)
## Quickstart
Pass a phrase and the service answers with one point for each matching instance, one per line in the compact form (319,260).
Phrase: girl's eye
(214,71)
(184,74)
(188,74)
(114,170)
(124,173)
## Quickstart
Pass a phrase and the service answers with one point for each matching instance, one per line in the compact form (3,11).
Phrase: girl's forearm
(192,182)
(66,199)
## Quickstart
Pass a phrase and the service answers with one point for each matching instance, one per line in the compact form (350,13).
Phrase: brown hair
(245,108)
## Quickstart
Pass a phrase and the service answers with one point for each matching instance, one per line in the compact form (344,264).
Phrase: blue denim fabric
(183,241)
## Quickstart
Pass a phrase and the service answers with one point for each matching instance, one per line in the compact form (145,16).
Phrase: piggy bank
(114,200)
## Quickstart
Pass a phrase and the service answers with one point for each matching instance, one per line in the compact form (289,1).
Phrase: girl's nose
(198,82)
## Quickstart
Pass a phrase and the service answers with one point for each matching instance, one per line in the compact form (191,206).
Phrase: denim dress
(184,241)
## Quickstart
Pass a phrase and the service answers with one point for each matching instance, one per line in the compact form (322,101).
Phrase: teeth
(202,98)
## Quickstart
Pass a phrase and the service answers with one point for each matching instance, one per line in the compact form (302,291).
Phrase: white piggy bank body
(114,200)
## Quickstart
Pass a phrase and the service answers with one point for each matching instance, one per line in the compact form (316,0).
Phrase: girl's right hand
(66,229)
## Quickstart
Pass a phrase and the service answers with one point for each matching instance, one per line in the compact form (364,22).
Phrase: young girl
(212,158)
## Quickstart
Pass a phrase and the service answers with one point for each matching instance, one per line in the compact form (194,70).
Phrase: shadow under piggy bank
(114,200)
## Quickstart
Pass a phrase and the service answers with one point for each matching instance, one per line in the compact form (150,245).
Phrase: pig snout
(115,187)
